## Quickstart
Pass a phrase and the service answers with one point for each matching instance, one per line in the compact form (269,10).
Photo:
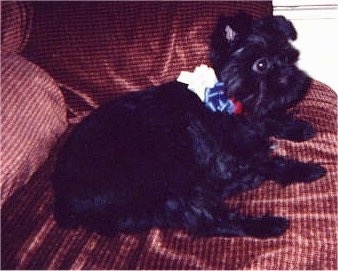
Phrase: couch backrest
(97,50)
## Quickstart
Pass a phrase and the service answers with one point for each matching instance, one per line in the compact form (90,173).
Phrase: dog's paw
(303,132)
(286,171)
(312,172)
(296,130)
(265,226)
(303,172)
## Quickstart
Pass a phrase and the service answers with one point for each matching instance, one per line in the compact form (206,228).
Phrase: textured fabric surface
(33,116)
(97,50)
(16,22)
(32,240)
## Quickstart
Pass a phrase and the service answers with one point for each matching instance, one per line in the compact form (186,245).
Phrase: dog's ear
(227,32)
(286,27)
(277,23)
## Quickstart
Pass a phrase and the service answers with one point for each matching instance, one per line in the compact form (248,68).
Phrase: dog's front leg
(288,171)
(286,127)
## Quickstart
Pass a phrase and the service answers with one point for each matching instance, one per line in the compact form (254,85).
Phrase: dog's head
(257,62)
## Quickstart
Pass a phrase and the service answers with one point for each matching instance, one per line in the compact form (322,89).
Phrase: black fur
(160,158)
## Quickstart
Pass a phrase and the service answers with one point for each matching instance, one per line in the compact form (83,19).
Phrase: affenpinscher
(162,158)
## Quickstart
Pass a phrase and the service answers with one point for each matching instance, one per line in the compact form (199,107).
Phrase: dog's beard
(253,98)
(272,93)
(258,99)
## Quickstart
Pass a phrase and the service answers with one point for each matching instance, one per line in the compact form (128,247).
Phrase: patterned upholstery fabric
(16,22)
(96,51)
(99,50)
(33,116)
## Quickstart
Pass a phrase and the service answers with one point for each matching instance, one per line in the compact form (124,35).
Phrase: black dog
(161,158)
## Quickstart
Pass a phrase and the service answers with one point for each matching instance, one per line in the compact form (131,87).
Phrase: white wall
(316,22)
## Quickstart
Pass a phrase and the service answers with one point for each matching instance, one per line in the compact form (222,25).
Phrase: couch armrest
(16,22)
(33,117)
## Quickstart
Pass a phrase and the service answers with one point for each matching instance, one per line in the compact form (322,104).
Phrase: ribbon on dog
(216,100)
(204,83)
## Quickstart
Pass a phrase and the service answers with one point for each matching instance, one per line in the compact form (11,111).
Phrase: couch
(61,60)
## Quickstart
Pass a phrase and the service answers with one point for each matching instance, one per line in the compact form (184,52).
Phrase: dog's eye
(261,65)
